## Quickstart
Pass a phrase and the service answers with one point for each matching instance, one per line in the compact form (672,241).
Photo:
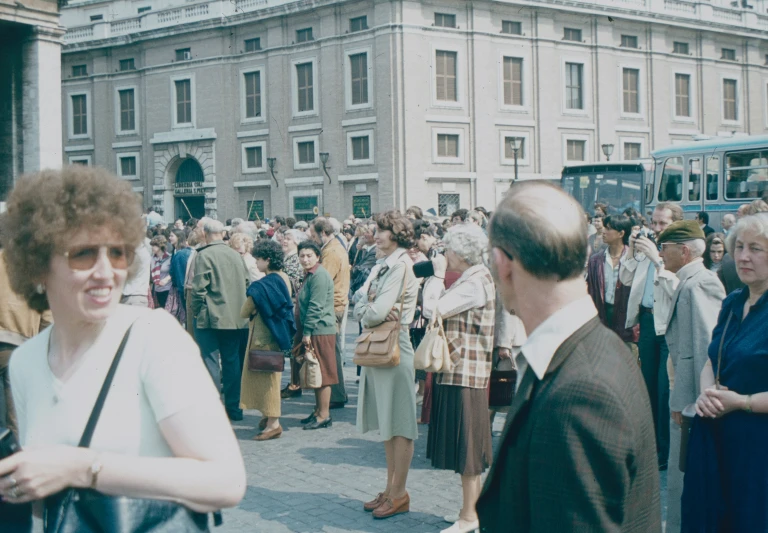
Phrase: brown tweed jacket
(578,451)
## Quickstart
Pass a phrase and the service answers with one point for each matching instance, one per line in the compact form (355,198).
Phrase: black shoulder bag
(89,511)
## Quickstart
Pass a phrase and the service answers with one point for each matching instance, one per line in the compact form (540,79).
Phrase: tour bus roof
(716,143)
(580,166)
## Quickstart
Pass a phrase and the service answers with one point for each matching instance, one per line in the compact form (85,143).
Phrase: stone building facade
(230,107)
(30,89)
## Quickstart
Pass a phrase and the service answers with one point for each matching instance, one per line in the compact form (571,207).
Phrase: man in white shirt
(650,303)
(578,450)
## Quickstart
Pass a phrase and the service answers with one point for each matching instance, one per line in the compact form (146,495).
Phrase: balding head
(543,228)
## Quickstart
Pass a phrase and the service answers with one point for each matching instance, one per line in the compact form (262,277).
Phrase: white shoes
(460,526)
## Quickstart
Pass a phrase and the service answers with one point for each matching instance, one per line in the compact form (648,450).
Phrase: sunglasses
(85,257)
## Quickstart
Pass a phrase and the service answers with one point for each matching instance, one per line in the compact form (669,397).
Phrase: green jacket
(316,304)
(218,289)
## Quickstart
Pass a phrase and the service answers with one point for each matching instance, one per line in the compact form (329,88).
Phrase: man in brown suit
(578,451)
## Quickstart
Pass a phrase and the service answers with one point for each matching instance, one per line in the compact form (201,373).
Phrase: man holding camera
(650,304)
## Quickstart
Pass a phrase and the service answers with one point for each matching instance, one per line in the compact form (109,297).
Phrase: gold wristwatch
(95,471)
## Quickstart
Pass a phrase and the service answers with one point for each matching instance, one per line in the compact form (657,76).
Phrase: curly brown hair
(400,226)
(47,208)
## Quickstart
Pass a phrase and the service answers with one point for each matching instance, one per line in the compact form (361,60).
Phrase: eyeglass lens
(85,257)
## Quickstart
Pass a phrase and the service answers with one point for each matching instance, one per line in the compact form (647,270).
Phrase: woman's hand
(394,315)
(728,400)
(439,265)
(306,340)
(707,406)
(34,474)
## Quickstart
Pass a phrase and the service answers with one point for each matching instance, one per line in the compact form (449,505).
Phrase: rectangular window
(728,54)
(630,81)
(127,110)
(445,77)
(358,24)
(358,66)
(253,157)
(255,210)
(144,9)
(746,174)
(253,45)
(79,70)
(629,41)
(680,48)
(447,204)
(306,152)
(252,94)
(575,150)
(682,95)
(305,88)
(443,20)
(632,151)
(361,149)
(361,206)
(127,64)
(447,145)
(694,180)
(572,34)
(513,81)
(713,175)
(95,18)
(573,86)
(509,148)
(304,207)
(183,54)
(183,101)
(80,114)
(83,162)
(304,35)
(128,166)
(671,186)
(511,27)
(730,102)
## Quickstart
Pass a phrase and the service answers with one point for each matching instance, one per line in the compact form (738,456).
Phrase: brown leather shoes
(269,435)
(392,507)
(263,423)
(373,504)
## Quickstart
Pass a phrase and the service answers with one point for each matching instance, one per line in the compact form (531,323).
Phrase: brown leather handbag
(379,346)
(265,361)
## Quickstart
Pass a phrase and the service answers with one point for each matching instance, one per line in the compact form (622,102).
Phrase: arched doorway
(188,190)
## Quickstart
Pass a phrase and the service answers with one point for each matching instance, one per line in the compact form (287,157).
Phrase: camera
(648,234)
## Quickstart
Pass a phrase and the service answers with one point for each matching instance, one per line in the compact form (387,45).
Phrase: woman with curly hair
(387,399)
(269,307)
(160,270)
(163,433)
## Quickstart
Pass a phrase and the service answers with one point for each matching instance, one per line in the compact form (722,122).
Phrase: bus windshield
(619,185)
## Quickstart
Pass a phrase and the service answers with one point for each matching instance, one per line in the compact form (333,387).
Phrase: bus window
(671,186)
(713,175)
(694,180)
(650,182)
(746,174)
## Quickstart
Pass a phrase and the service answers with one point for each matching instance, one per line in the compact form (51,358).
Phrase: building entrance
(188,191)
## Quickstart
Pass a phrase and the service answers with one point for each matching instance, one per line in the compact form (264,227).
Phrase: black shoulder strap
(85,440)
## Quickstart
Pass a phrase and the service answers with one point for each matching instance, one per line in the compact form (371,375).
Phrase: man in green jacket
(218,294)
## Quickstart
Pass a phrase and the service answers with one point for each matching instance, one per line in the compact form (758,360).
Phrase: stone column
(41,100)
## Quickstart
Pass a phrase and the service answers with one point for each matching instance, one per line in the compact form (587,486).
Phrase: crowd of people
(672,379)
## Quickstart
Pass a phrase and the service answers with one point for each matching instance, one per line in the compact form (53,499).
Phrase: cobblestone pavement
(312,481)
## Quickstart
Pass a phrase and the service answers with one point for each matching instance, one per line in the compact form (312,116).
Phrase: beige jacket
(633,274)
(17,321)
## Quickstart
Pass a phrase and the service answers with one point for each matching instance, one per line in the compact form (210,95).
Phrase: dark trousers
(338,391)
(223,352)
(653,363)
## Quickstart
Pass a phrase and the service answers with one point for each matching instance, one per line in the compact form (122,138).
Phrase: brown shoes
(269,435)
(263,423)
(373,504)
(391,507)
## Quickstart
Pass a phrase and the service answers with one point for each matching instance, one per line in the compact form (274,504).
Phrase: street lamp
(324,160)
(271,162)
(516,144)
(607,150)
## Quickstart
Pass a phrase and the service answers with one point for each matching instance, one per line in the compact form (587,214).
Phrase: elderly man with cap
(695,306)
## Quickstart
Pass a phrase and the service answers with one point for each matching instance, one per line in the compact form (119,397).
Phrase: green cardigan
(218,289)
(316,304)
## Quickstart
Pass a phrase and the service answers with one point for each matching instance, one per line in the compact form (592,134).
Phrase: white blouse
(160,374)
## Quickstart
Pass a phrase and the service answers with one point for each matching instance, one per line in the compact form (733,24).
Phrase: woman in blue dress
(726,478)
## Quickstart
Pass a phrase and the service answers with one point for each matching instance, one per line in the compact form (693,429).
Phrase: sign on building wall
(361,206)
(255,210)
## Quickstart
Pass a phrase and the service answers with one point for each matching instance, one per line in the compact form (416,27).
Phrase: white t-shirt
(160,374)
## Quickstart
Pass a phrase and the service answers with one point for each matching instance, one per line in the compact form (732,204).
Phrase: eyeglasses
(668,244)
(85,257)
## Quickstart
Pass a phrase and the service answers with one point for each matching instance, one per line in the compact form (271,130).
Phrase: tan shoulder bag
(379,346)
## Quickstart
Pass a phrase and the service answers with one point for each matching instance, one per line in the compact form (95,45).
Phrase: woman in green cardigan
(317,329)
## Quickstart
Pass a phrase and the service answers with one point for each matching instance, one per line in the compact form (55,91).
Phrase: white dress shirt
(543,342)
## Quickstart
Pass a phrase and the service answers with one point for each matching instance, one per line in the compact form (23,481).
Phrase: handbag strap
(720,350)
(90,427)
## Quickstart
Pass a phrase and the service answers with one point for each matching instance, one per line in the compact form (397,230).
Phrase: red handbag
(265,361)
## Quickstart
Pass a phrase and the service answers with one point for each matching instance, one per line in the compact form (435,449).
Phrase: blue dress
(726,479)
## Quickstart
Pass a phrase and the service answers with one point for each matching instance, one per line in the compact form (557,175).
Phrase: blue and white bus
(715,175)
(618,184)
